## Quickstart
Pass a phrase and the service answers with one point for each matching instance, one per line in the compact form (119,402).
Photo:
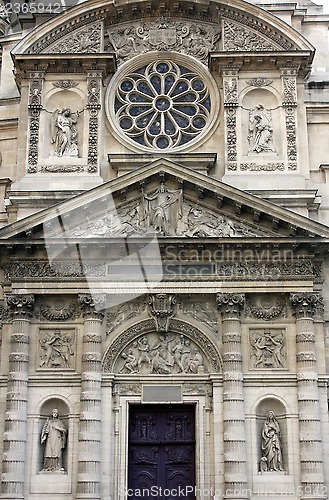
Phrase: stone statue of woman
(54,435)
(271,444)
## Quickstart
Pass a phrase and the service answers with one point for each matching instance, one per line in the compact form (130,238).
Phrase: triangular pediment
(170,200)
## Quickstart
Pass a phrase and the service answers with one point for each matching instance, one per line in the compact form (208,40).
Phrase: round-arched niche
(46,411)
(141,350)
(260,124)
(69,105)
(273,409)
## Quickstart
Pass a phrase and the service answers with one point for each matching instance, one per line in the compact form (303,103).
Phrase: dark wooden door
(161,452)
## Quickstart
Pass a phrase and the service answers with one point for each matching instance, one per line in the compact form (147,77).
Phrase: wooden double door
(161,452)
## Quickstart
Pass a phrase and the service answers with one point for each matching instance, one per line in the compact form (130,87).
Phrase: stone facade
(163,226)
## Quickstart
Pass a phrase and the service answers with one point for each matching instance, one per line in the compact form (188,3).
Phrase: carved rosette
(92,306)
(93,105)
(35,106)
(162,307)
(230,305)
(306,304)
(230,85)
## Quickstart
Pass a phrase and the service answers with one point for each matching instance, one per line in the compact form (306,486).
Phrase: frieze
(19,338)
(91,356)
(144,327)
(86,40)
(67,169)
(264,167)
(92,337)
(237,37)
(265,307)
(265,270)
(232,356)
(305,337)
(130,389)
(306,356)
(197,389)
(56,349)
(231,337)
(268,348)
(189,38)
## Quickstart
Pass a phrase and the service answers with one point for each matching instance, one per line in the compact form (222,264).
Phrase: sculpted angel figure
(63,132)
(54,435)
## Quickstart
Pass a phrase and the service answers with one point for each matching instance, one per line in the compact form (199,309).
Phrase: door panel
(161,452)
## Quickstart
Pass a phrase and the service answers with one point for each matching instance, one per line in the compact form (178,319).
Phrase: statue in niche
(260,130)
(271,445)
(162,210)
(54,436)
(64,134)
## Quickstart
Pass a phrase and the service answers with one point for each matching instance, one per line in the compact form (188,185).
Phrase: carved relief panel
(161,354)
(268,348)
(56,349)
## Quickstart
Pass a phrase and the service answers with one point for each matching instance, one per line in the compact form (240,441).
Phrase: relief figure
(260,130)
(64,134)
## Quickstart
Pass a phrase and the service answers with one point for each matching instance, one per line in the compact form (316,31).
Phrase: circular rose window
(161,105)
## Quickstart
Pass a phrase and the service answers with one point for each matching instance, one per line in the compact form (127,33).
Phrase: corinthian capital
(21,306)
(306,304)
(92,306)
(230,305)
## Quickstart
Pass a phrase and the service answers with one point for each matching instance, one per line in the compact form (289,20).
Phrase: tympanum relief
(166,213)
(162,35)
(161,354)
(268,348)
(56,349)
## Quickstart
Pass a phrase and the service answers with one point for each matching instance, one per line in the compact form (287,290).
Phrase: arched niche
(46,410)
(264,102)
(264,407)
(190,337)
(59,100)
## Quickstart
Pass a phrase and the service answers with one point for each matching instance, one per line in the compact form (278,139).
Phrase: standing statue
(54,435)
(63,133)
(271,444)
(162,210)
(260,130)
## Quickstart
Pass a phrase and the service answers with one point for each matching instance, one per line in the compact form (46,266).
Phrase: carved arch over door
(201,349)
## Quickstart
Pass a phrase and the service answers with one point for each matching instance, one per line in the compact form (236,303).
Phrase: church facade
(164,225)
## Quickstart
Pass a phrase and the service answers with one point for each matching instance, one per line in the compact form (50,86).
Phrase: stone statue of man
(54,436)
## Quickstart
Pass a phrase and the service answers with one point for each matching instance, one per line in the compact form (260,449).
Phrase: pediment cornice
(200,195)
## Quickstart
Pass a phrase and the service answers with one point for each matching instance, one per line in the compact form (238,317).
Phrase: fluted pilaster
(304,306)
(235,469)
(14,458)
(89,459)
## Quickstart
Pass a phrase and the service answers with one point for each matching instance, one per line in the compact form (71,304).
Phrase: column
(235,464)
(14,455)
(89,458)
(304,306)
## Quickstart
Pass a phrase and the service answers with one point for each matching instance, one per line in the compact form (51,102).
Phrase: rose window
(162,105)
